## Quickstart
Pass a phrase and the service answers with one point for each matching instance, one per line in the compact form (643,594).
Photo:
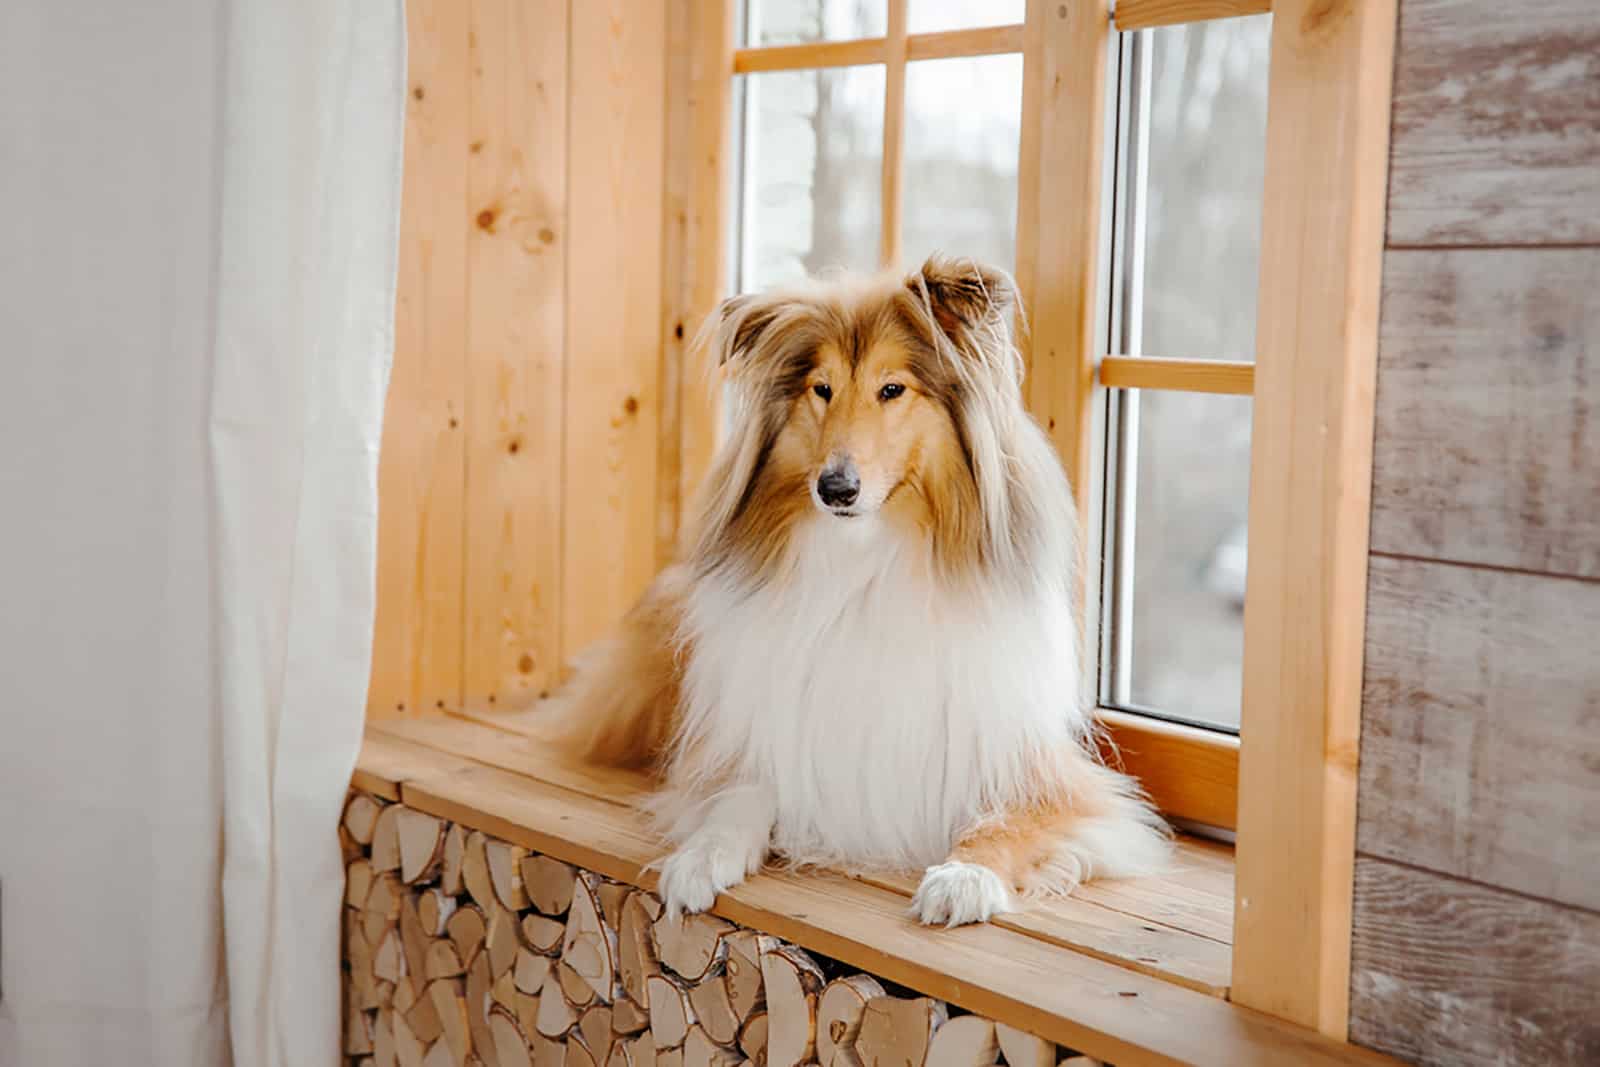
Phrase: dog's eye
(823,391)
(890,391)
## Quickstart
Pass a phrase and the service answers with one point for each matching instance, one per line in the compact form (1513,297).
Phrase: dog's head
(887,400)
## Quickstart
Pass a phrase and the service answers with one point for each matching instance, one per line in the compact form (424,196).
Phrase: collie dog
(867,658)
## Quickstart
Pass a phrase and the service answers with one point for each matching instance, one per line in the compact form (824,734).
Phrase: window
(869,134)
(1140,357)
(1190,140)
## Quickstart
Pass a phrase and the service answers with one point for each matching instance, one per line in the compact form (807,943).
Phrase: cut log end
(421,842)
(896,1032)
(793,983)
(670,1012)
(699,1050)
(714,1010)
(691,945)
(966,1041)
(505,873)
(548,883)
(753,1038)
(589,946)
(1022,1049)
(510,1045)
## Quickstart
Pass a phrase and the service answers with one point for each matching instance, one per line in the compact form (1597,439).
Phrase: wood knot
(1061,11)
(417,93)
(486,219)
(514,445)
(677,331)
(1323,16)
(836,1030)
(525,664)
(631,405)
(475,147)
(547,235)
(454,424)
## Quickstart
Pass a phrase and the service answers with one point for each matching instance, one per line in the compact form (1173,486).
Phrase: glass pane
(1208,133)
(811,184)
(770,22)
(1189,555)
(930,16)
(963,124)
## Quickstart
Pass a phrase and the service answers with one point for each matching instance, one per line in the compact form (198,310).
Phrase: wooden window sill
(1190,773)
(1131,972)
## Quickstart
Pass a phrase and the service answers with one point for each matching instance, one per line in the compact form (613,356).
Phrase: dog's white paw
(955,893)
(692,877)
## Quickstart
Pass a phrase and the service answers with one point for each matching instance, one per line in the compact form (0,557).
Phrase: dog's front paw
(954,893)
(692,877)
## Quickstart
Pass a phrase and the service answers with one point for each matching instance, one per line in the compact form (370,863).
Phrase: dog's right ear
(735,328)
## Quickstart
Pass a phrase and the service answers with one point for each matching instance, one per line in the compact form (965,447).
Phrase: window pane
(1208,131)
(930,16)
(771,22)
(963,123)
(811,185)
(1189,554)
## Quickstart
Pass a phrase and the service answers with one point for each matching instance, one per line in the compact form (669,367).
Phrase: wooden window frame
(1288,783)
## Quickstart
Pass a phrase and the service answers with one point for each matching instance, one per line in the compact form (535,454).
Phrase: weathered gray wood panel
(1488,445)
(1480,732)
(1446,972)
(1496,136)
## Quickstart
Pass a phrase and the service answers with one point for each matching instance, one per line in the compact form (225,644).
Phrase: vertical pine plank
(417,641)
(894,135)
(675,370)
(1028,206)
(613,311)
(516,218)
(613,300)
(1067,45)
(705,262)
(1310,489)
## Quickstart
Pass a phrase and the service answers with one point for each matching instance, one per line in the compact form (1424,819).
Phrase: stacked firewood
(463,950)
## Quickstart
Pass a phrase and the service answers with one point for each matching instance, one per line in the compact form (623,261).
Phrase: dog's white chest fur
(879,712)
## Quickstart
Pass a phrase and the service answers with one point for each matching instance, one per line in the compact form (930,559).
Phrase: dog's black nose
(839,486)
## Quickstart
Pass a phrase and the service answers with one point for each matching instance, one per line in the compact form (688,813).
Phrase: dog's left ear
(964,294)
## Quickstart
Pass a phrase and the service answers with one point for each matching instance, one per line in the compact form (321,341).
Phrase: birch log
(839,1016)
(792,982)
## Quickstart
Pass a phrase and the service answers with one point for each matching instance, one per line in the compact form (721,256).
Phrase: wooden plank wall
(1477,896)
(527,435)
(417,640)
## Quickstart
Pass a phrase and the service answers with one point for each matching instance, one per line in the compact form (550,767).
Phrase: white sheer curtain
(199,205)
